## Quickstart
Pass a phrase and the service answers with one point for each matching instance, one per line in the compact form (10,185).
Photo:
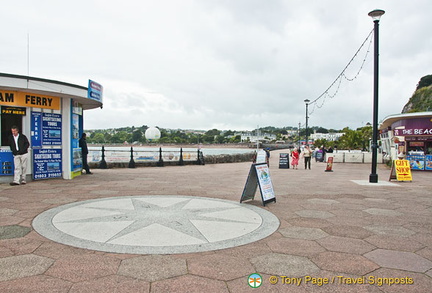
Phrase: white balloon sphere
(152,133)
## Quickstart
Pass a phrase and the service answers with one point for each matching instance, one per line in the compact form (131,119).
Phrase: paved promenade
(182,229)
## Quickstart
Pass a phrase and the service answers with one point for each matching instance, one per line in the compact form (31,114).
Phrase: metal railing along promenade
(118,155)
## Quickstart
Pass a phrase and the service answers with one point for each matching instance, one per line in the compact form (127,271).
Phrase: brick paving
(358,238)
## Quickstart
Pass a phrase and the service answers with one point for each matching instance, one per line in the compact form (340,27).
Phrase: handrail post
(181,162)
(131,162)
(160,163)
(103,164)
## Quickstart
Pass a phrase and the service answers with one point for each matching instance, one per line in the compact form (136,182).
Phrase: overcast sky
(226,64)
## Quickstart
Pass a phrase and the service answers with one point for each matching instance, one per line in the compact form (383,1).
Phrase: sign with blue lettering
(51,129)
(36,129)
(47,163)
(46,129)
(6,163)
(95,91)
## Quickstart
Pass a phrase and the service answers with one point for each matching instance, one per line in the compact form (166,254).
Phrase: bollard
(103,164)
(131,162)
(160,163)
(181,163)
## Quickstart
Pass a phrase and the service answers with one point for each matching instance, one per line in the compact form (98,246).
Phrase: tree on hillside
(121,137)
(98,138)
(209,136)
(137,136)
(321,130)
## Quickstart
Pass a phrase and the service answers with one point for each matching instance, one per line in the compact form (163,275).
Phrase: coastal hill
(421,100)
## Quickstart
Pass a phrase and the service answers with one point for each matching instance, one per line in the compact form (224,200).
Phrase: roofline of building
(389,120)
(43,80)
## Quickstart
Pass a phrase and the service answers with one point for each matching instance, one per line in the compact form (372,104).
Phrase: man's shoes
(89,172)
(13,183)
(23,183)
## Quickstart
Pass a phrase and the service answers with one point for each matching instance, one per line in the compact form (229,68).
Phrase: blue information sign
(47,163)
(51,129)
(36,129)
(46,129)
(95,91)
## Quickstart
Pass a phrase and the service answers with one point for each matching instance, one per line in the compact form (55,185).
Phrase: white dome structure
(152,134)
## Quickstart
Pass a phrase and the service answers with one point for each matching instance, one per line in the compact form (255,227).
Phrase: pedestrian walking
(307,155)
(295,158)
(19,145)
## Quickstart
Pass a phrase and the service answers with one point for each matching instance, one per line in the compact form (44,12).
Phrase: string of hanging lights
(338,81)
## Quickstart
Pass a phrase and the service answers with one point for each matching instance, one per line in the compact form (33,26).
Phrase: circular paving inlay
(155,224)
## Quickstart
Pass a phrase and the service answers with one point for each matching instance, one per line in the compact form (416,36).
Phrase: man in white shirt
(19,145)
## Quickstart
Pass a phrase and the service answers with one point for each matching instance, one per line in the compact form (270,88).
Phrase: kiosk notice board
(6,163)
(259,175)
(47,163)
(283,161)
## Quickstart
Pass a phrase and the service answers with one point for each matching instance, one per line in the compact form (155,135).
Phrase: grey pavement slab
(400,260)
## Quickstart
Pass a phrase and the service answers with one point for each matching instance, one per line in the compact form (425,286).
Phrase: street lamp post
(307,116)
(299,138)
(376,15)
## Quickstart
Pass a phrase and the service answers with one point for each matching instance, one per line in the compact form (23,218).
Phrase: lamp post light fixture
(307,116)
(376,15)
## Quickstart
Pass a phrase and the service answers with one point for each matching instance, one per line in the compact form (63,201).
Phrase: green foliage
(424,82)
(421,100)
(97,137)
(321,141)
(321,130)
(356,139)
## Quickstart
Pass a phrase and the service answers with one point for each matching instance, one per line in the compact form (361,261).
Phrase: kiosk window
(428,148)
(416,147)
(7,121)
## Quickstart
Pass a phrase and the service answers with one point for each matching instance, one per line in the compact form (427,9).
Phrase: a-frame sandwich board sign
(401,170)
(259,175)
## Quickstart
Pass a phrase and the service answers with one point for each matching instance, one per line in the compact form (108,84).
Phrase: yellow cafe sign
(22,99)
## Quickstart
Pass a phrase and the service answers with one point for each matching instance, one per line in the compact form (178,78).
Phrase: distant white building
(251,137)
(327,136)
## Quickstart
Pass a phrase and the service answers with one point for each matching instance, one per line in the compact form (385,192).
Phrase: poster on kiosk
(77,130)
(46,141)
